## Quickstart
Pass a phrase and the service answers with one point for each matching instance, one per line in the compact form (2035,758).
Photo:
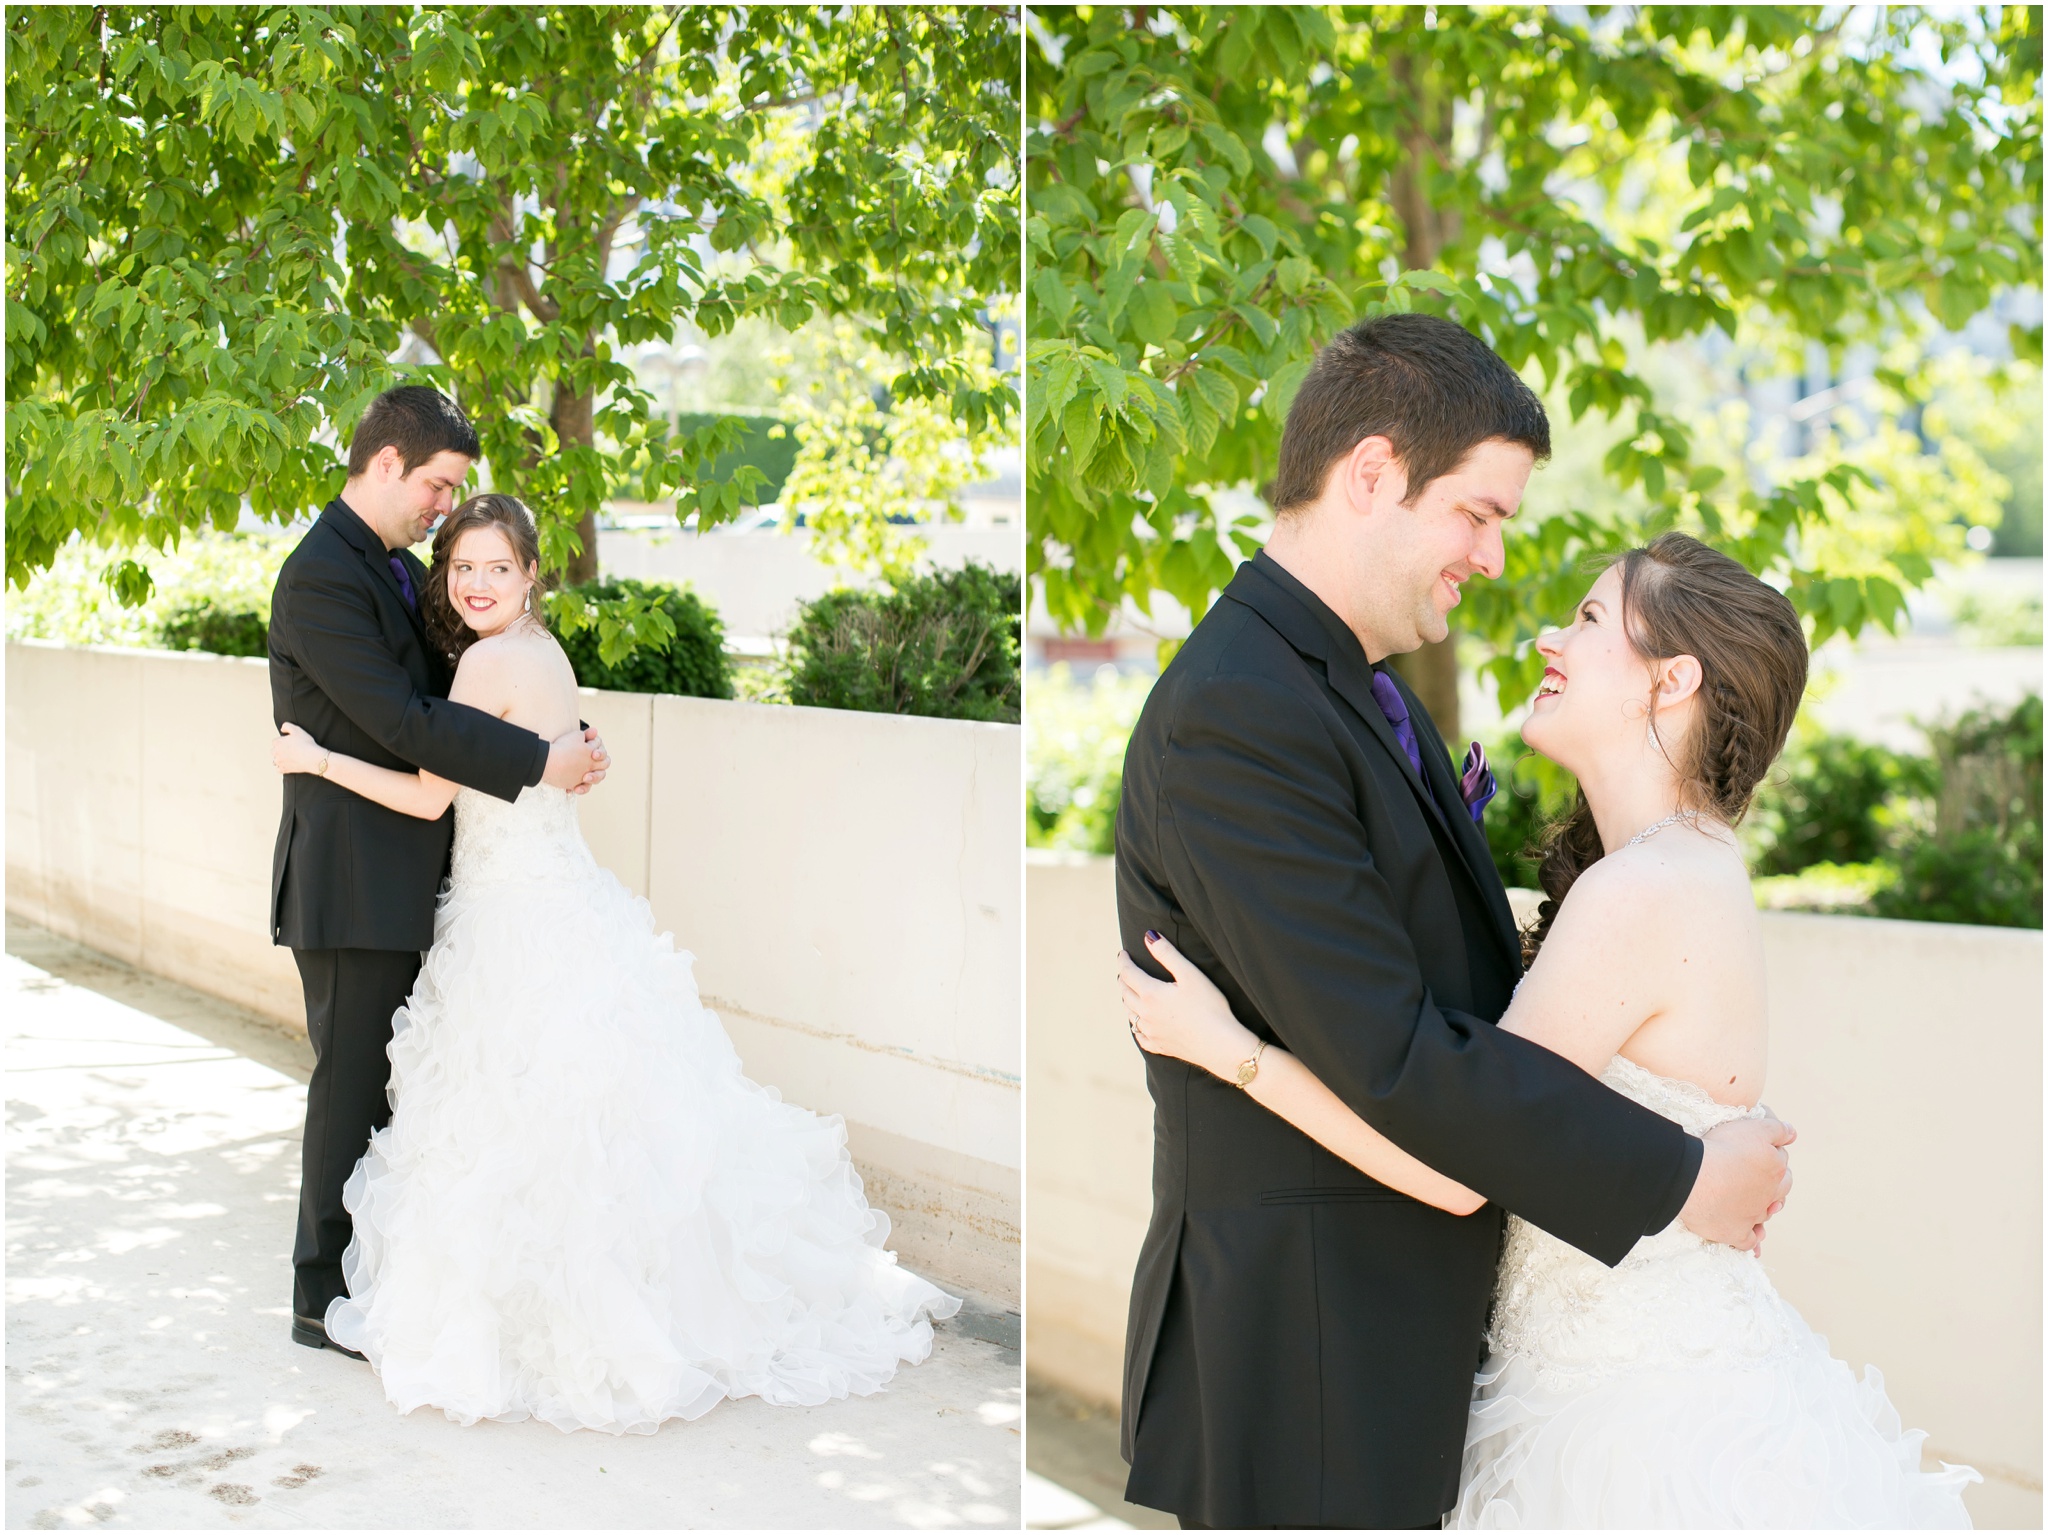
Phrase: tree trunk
(571,416)
(1431,671)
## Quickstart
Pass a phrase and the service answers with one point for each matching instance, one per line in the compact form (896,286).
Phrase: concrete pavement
(1075,1472)
(1049,1506)
(153,1148)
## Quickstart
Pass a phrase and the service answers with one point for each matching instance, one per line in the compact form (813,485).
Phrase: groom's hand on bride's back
(577,761)
(1743,1180)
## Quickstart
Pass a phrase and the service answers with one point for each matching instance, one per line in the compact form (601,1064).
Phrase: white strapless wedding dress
(1678,1390)
(581,1211)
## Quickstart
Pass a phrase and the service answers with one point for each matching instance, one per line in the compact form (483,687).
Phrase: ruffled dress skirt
(581,1210)
(1801,1444)
(1679,1390)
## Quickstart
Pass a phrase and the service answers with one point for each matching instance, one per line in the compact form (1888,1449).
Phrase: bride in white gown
(1677,1389)
(581,1210)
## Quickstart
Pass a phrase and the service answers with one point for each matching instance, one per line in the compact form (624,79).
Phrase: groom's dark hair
(1430,387)
(416,420)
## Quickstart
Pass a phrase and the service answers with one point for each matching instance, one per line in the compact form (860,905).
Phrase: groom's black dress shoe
(313,1333)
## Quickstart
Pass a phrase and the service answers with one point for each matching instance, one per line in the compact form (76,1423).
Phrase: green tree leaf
(1800,180)
(230,228)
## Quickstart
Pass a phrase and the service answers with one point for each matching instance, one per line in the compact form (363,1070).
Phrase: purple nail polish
(1153,936)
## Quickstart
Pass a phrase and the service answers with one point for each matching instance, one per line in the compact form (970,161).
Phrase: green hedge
(1075,733)
(1833,799)
(229,573)
(206,625)
(694,664)
(1844,825)
(1978,858)
(944,645)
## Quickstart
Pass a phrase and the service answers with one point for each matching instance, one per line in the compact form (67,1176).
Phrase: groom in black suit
(352,883)
(1302,1339)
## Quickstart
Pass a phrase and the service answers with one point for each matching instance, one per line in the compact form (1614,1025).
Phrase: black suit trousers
(350,997)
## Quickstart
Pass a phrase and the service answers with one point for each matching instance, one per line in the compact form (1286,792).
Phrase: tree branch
(411,263)
(675,15)
(512,267)
(804,99)
(1215,333)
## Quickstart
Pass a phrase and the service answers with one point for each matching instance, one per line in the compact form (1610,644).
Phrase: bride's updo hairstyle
(508,514)
(1680,598)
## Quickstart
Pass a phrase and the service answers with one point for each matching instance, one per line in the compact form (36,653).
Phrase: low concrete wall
(849,883)
(1907,1054)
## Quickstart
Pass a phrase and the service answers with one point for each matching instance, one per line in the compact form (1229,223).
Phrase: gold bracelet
(1248,1069)
(325,759)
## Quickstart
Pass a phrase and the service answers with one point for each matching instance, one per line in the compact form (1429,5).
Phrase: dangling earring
(1650,734)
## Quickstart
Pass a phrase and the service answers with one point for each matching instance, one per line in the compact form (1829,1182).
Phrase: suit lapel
(419,591)
(1269,591)
(1351,676)
(357,533)
(1466,835)
(1262,586)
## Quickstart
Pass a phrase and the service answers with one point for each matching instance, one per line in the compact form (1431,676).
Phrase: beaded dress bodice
(1675,1299)
(535,837)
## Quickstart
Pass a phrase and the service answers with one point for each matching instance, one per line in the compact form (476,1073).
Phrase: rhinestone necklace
(1656,826)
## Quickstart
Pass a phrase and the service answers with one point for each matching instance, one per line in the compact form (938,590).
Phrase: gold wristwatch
(1248,1069)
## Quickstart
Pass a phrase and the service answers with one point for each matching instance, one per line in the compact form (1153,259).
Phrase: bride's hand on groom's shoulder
(1744,1178)
(1186,1018)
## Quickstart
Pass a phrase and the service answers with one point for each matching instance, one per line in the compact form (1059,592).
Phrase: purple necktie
(1475,789)
(1388,697)
(413,604)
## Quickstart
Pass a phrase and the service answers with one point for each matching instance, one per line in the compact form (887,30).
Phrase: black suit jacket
(350,662)
(1273,828)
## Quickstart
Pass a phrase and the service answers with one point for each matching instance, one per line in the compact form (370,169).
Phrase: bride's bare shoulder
(547,656)
(1648,889)
(511,648)
(505,664)
(490,656)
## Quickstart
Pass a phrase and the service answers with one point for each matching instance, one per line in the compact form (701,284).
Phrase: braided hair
(1679,597)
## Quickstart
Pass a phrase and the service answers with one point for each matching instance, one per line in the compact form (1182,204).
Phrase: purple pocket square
(1476,784)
